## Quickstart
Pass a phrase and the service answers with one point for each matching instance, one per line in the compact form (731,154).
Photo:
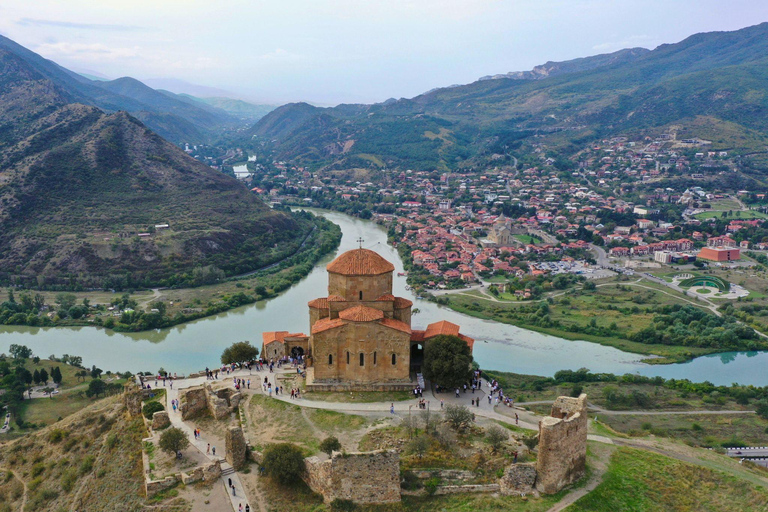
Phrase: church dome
(360,262)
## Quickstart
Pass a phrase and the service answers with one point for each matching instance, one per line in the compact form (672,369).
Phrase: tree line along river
(195,345)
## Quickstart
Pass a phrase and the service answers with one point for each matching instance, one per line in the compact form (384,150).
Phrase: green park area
(643,318)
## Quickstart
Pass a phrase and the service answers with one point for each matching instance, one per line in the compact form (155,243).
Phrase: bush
(431,485)
(329,445)
(56,435)
(151,408)
(339,505)
(531,441)
(284,462)
(419,445)
(458,416)
(496,435)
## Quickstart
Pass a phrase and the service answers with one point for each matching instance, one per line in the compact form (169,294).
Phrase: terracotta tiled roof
(361,314)
(442,327)
(387,297)
(336,298)
(401,303)
(417,335)
(270,336)
(395,324)
(360,262)
(321,303)
(325,324)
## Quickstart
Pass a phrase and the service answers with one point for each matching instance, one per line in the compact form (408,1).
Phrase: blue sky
(331,51)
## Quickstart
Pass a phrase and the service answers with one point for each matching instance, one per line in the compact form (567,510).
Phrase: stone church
(360,334)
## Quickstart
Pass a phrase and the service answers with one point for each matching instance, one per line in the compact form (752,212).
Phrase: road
(747,452)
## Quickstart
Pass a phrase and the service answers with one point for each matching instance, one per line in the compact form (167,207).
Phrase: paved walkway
(240,496)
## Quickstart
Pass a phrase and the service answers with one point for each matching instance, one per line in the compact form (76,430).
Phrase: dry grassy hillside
(90,461)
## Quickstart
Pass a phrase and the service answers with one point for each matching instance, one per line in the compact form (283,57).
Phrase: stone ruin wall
(368,477)
(202,400)
(562,450)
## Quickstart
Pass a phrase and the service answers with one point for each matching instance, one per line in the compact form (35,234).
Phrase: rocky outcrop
(236,448)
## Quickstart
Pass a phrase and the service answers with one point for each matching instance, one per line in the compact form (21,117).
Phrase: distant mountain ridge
(78,186)
(550,68)
(172,118)
(723,75)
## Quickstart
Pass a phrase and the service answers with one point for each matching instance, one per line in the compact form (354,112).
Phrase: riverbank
(162,308)
(662,354)
(618,313)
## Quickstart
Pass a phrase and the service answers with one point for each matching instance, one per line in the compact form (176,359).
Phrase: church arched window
(394,359)
(361,294)
(374,358)
(347,357)
(362,359)
(330,359)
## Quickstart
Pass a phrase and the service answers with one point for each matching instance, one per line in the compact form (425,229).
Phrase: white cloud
(86,52)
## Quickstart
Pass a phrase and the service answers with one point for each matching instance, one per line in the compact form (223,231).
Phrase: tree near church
(239,352)
(447,361)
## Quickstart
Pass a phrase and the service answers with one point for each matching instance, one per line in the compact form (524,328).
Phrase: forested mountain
(177,120)
(78,186)
(722,75)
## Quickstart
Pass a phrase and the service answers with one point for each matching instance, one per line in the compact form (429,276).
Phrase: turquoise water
(197,344)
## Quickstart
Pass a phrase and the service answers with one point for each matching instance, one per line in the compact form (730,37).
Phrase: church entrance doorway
(417,357)
(297,352)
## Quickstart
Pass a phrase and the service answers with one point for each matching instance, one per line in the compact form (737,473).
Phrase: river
(197,344)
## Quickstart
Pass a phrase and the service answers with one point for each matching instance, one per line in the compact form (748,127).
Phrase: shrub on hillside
(284,462)
(458,416)
(329,445)
(151,408)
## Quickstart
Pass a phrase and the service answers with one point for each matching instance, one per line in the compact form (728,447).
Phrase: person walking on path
(441,403)
(208,450)
(392,409)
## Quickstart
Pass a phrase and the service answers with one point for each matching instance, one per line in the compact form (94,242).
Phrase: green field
(737,215)
(576,311)
(646,481)
(527,239)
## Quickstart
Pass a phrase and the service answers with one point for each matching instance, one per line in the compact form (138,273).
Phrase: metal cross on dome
(360,241)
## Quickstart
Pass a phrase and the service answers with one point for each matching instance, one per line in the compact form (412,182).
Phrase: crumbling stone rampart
(236,448)
(203,400)
(562,451)
(518,479)
(367,477)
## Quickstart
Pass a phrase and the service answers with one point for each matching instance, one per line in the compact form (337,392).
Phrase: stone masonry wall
(562,450)
(369,477)
(193,402)
(202,400)
(235,447)
(518,479)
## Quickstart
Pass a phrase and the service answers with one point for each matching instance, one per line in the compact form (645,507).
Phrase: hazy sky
(330,51)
